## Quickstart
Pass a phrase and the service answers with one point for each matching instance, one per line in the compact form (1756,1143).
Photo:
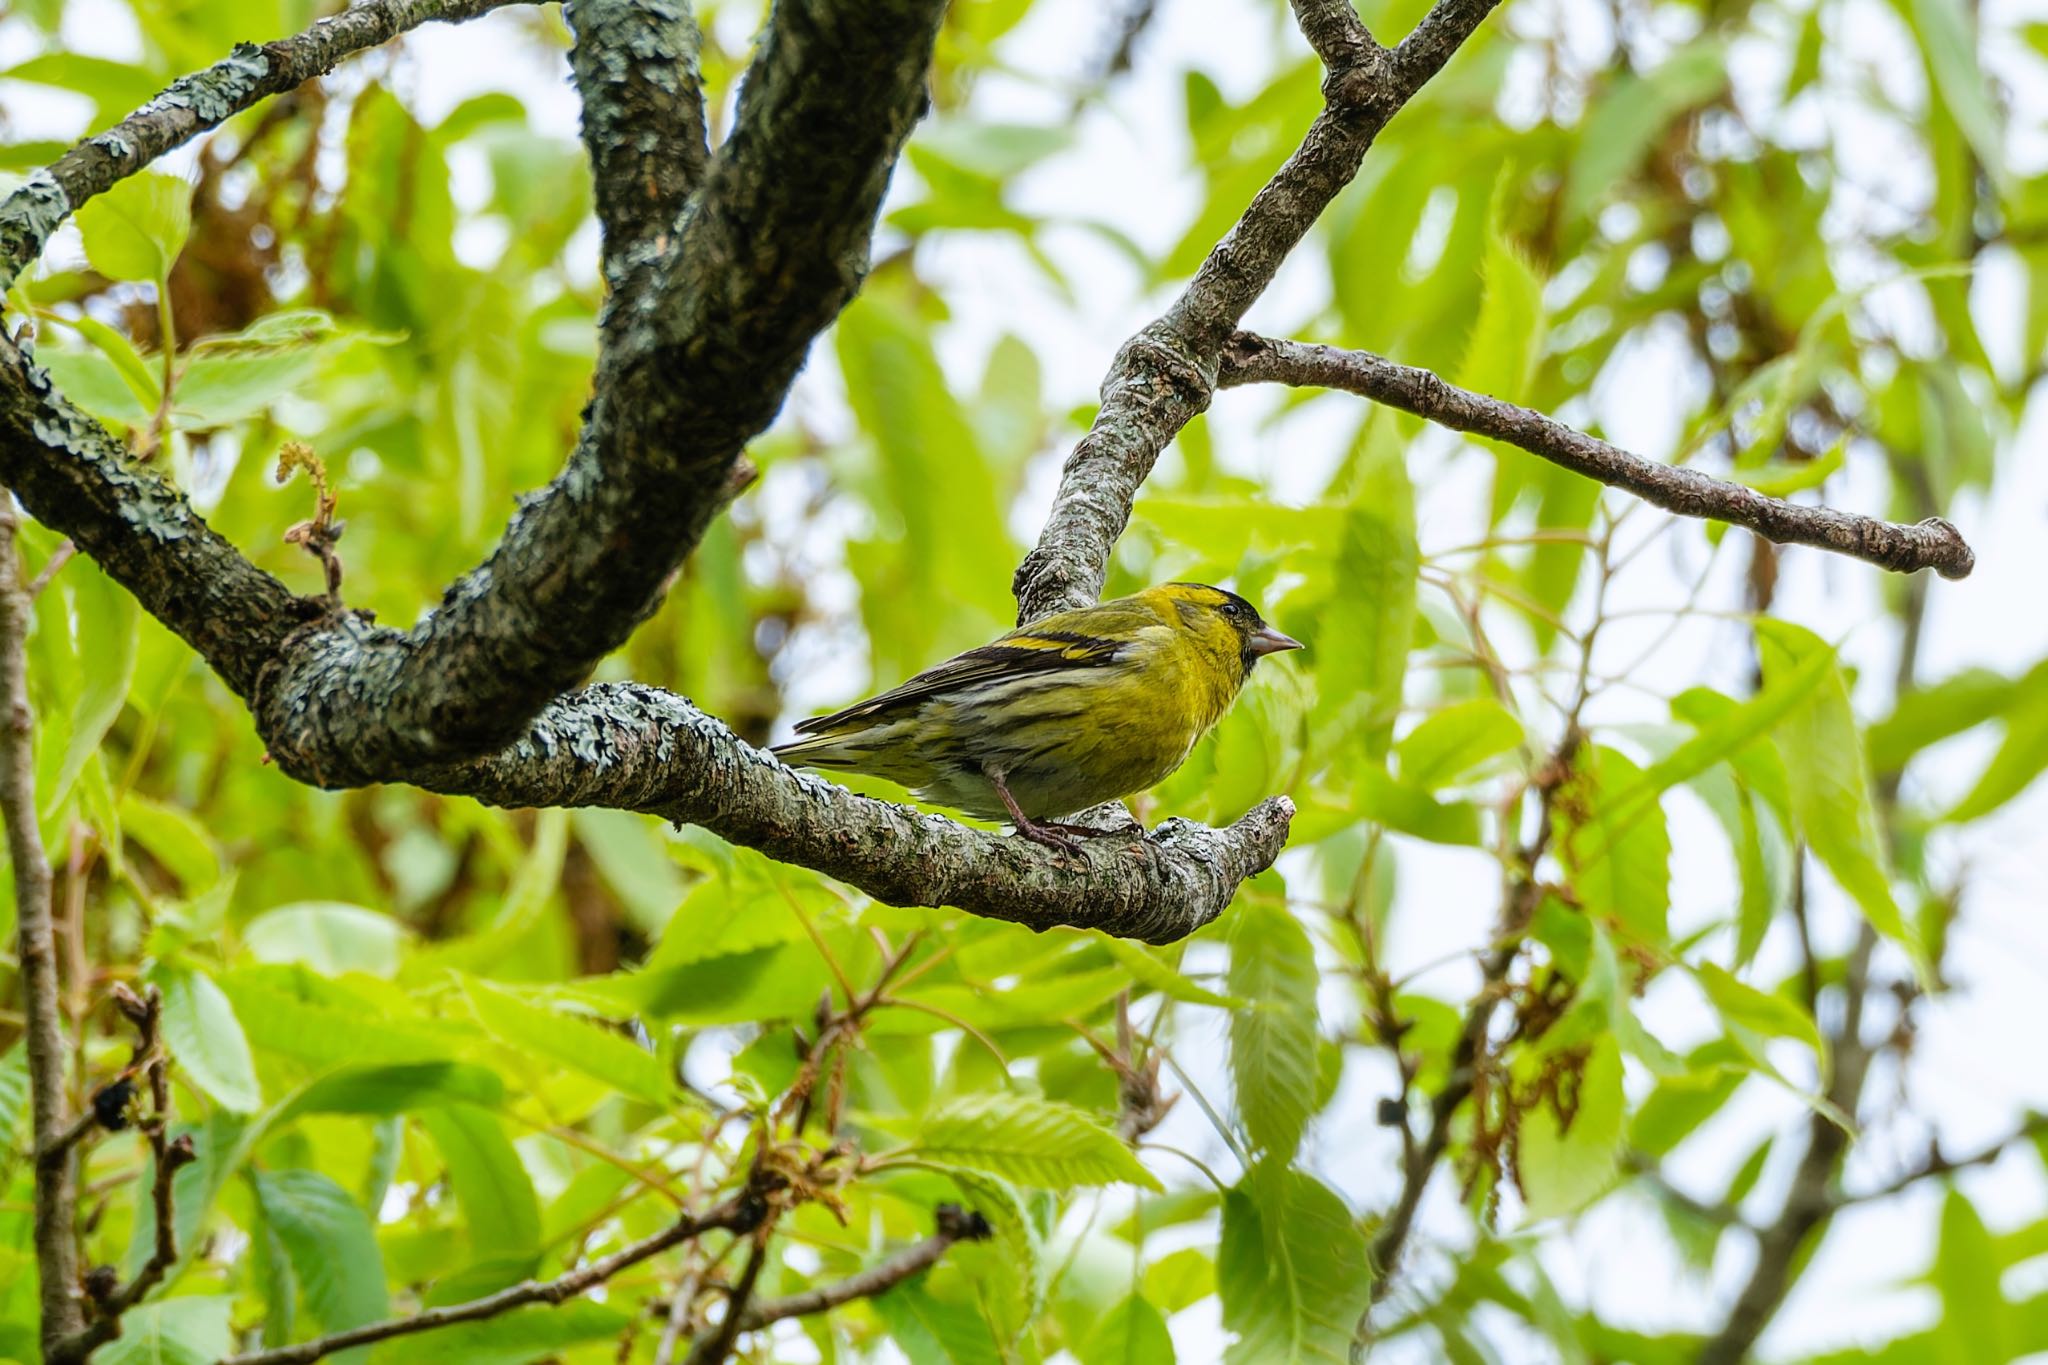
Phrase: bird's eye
(1232,609)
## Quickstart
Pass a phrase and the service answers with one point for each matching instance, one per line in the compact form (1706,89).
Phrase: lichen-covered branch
(740,1213)
(56,1167)
(1165,375)
(636,62)
(629,747)
(204,100)
(770,248)
(1930,544)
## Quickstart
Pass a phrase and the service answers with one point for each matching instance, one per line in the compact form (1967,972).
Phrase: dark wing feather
(1020,654)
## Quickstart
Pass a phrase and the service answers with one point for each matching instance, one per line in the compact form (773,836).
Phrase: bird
(1073,710)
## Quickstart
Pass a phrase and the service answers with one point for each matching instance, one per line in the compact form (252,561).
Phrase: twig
(713,1349)
(739,1214)
(1930,544)
(59,557)
(1938,1164)
(954,1225)
(55,1186)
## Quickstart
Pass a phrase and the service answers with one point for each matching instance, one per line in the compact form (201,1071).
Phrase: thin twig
(740,1214)
(56,1188)
(954,1225)
(1929,544)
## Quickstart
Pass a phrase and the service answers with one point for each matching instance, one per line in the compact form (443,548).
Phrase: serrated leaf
(1291,1269)
(1034,1142)
(1620,866)
(1975,1318)
(1830,786)
(1368,626)
(205,1038)
(1273,1062)
(332,1248)
(1928,715)
(396,1089)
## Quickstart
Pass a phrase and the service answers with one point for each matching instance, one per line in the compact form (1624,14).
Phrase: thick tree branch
(56,1167)
(196,103)
(954,1225)
(1165,375)
(1930,544)
(741,1213)
(695,365)
(638,748)
(636,62)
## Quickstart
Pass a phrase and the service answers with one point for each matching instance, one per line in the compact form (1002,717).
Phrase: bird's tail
(823,751)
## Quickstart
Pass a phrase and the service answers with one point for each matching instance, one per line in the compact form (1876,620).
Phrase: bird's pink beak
(1266,640)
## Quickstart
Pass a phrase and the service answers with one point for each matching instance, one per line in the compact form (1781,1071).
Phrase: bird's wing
(1048,647)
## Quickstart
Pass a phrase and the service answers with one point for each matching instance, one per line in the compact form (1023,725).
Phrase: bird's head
(1227,626)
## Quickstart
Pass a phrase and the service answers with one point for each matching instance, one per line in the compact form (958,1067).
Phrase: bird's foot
(1058,837)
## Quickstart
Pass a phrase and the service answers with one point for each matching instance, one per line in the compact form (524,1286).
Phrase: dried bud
(110,1104)
(1393,1112)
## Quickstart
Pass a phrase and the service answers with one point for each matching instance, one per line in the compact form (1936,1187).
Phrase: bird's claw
(1055,837)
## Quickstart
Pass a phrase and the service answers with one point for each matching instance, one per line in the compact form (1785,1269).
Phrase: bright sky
(1975,1066)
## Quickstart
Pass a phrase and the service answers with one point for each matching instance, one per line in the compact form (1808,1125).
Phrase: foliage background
(1808,243)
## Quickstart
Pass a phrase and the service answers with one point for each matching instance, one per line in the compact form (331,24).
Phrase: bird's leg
(1027,827)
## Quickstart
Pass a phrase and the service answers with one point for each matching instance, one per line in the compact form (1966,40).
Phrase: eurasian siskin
(1075,709)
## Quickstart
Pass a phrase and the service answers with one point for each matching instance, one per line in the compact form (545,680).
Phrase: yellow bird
(1073,710)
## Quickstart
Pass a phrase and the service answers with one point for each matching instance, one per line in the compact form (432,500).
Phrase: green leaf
(1508,335)
(1975,1320)
(396,1089)
(182,1331)
(136,229)
(934,1331)
(1366,629)
(1273,1062)
(107,624)
(1133,1333)
(543,1331)
(1291,1268)
(1454,741)
(572,1041)
(331,1246)
(1565,1161)
(331,937)
(1620,866)
(2020,756)
(1151,974)
(142,380)
(490,1182)
(1744,1004)
(1948,41)
(1829,784)
(1927,715)
(14,1096)
(1031,1141)
(205,1038)
(1628,120)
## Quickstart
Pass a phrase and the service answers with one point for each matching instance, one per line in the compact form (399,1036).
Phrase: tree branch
(169,1156)
(954,1225)
(197,103)
(632,747)
(1165,375)
(56,1167)
(636,62)
(1931,544)
(739,1214)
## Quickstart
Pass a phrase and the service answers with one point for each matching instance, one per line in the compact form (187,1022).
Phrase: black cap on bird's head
(1259,639)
